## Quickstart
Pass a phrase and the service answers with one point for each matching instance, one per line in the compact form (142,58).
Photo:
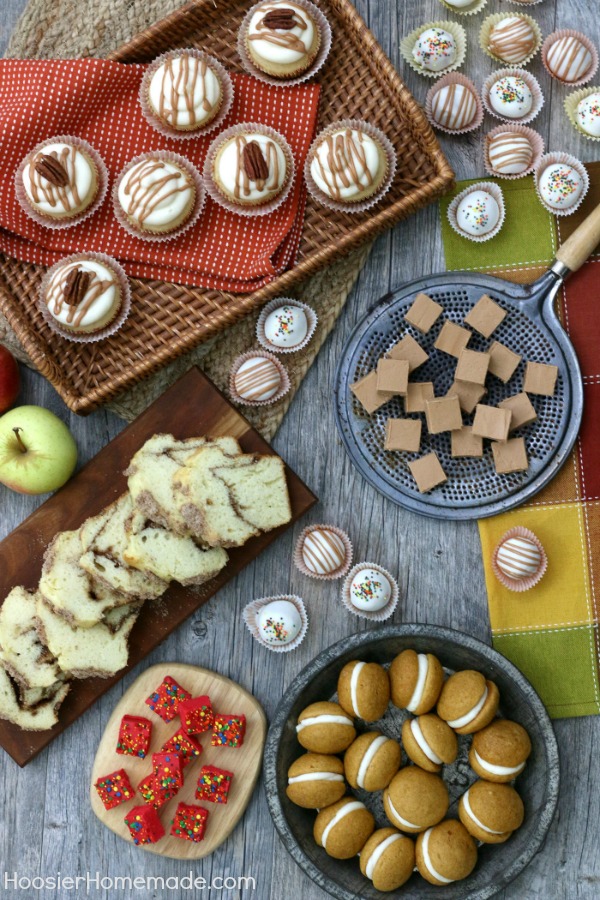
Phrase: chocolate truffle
(429,742)
(286,326)
(60,180)
(364,690)
(435,50)
(415,800)
(500,751)
(454,107)
(491,812)
(509,153)
(250,168)
(369,589)
(387,859)
(257,379)
(478,213)
(348,165)
(560,186)
(325,728)
(156,195)
(468,701)
(371,761)
(283,39)
(83,295)
(279,622)
(511,97)
(416,680)
(322,552)
(445,853)
(185,92)
(588,114)
(567,58)
(315,781)
(512,39)
(343,829)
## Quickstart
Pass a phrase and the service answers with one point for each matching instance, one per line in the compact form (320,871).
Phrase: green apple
(37,450)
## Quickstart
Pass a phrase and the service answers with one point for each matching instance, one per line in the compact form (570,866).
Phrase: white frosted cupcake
(282,38)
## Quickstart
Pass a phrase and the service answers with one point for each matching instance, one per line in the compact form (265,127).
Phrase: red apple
(10,380)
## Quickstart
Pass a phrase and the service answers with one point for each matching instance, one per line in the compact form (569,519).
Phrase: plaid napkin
(98,101)
(551,631)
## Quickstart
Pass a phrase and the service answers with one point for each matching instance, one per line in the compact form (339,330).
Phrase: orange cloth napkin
(98,100)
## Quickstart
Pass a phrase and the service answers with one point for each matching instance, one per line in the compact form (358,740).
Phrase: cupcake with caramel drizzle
(156,194)
(250,168)
(282,39)
(59,180)
(347,164)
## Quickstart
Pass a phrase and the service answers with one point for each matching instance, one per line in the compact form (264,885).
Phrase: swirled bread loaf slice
(150,476)
(86,652)
(41,717)
(22,653)
(69,589)
(258,491)
(103,545)
(170,556)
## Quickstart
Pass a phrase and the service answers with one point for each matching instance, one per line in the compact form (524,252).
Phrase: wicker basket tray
(168,319)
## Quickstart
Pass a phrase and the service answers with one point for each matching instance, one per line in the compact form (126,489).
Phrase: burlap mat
(65,28)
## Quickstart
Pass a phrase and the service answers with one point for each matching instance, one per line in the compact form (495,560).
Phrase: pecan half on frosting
(255,165)
(280,19)
(52,170)
(76,286)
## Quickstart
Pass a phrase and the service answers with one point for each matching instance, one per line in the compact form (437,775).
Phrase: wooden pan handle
(582,242)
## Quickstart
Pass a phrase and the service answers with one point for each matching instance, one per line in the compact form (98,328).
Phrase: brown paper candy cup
(460,37)
(496,193)
(252,611)
(276,303)
(445,80)
(379,615)
(537,146)
(491,21)
(573,100)
(261,354)
(564,159)
(519,584)
(587,43)
(340,570)
(531,82)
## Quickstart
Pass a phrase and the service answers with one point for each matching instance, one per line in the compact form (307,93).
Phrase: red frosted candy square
(165,700)
(168,771)
(152,792)
(213,784)
(196,715)
(189,823)
(228,730)
(144,825)
(185,745)
(114,789)
(134,736)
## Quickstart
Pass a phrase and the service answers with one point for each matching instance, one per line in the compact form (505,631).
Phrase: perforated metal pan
(531,328)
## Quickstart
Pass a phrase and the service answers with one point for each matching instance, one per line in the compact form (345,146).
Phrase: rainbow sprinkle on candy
(367,589)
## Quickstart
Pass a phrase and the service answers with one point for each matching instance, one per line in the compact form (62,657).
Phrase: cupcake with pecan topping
(282,38)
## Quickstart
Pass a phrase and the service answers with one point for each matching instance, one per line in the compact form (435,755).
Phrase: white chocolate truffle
(370,590)
(286,326)
(323,552)
(510,153)
(454,107)
(478,213)
(568,59)
(512,39)
(257,379)
(156,194)
(518,557)
(348,165)
(511,97)
(83,295)
(435,50)
(560,186)
(588,114)
(460,4)
(60,180)
(279,622)
(185,92)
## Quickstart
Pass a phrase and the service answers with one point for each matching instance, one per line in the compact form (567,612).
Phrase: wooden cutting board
(245,762)
(192,406)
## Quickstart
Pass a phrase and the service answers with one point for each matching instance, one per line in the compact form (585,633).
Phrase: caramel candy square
(491,422)
(410,350)
(510,456)
(417,395)
(485,316)
(452,339)
(540,379)
(521,408)
(424,313)
(365,391)
(468,394)
(465,443)
(427,472)
(443,414)
(403,434)
(472,366)
(392,375)
(503,361)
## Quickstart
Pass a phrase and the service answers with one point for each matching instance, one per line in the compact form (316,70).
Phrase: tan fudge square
(365,391)
(403,434)
(465,443)
(468,394)
(392,375)
(491,422)
(427,472)
(503,361)
(540,379)
(472,366)
(424,313)
(521,408)
(443,414)
(410,350)
(417,395)
(485,316)
(510,456)
(452,339)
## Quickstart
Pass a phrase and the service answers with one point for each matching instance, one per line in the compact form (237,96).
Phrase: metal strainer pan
(531,328)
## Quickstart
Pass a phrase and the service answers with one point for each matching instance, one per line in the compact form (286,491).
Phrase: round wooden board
(245,762)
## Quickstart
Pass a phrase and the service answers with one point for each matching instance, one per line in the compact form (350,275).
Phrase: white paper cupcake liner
(587,43)
(382,614)
(331,576)
(349,206)
(101,174)
(454,78)
(212,187)
(162,127)
(252,354)
(537,146)
(276,303)
(572,101)
(458,33)
(568,160)
(250,615)
(521,584)
(491,21)
(525,3)
(531,82)
(107,330)
(176,159)
(496,193)
(285,81)
(475,7)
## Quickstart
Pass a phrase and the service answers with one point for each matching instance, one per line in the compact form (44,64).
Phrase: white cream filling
(348,808)
(154,194)
(417,694)
(378,853)
(427,860)
(315,776)
(354,686)
(402,821)
(274,52)
(169,86)
(324,720)
(472,815)
(498,770)
(77,165)
(368,759)
(420,739)
(472,714)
